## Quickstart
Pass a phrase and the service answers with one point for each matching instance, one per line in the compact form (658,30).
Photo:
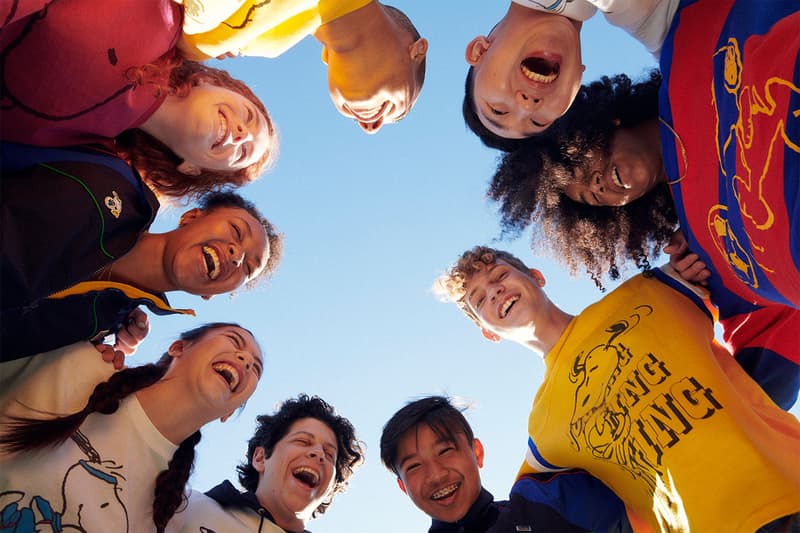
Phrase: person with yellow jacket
(375,55)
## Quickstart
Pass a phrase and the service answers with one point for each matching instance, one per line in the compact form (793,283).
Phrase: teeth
(212,262)
(228,372)
(307,475)
(223,129)
(615,177)
(445,491)
(507,305)
(540,78)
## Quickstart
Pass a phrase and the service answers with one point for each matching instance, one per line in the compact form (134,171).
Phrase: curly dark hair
(437,412)
(529,185)
(216,200)
(272,428)
(26,434)
(156,162)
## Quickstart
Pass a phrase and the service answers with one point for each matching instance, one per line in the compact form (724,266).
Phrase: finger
(107,353)
(686,263)
(119,359)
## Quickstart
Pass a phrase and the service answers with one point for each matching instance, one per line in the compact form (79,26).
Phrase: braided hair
(27,434)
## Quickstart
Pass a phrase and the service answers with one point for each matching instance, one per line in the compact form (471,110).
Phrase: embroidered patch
(114,204)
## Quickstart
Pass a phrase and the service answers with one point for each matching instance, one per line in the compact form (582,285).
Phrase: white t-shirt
(102,479)
(205,514)
(647,21)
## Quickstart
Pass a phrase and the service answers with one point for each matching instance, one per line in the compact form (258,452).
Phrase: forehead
(312,427)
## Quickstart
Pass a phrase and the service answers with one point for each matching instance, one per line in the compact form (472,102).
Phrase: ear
(477,447)
(225,417)
(176,349)
(207,297)
(325,54)
(259,458)
(418,49)
(537,276)
(488,335)
(402,485)
(189,169)
(190,216)
(476,48)
(616,122)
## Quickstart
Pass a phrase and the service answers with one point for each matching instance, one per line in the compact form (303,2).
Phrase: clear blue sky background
(370,221)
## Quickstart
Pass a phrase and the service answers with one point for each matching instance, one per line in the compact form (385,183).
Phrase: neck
(162,121)
(180,419)
(548,329)
(284,518)
(138,268)
(518,13)
(363,27)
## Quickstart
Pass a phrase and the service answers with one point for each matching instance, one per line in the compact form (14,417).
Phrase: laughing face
(221,368)
(222,130)
(215,252)
(300,473)
(441,476)
(632,168)
(506,301)
(527,72)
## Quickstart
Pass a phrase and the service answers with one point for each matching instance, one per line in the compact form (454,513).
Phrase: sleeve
(14,10)
(647,21)
(53,383)
(565,501)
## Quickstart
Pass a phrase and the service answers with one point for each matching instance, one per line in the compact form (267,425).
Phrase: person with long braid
(119,460)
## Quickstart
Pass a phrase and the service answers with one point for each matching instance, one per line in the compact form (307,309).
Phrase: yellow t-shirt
(265,28)
(637,393)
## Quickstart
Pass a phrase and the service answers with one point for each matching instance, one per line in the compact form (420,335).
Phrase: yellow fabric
(265,28)
(130,291)
(637,392)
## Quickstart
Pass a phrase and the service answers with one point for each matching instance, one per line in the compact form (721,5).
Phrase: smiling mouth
(507,305)
(444,492)
(228,372)
(370,115)
(222,133)
(617,180)
(306,476)
(540,70)
(212,262)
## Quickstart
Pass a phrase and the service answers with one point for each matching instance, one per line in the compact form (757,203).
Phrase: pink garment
(63,69)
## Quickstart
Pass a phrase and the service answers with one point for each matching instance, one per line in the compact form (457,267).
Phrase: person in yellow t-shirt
(637,393)
(375,55)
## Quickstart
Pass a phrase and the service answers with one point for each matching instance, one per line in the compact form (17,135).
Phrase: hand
(686,263)
(133,330)
(110,355)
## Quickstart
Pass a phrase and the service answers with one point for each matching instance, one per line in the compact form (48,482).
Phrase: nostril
(536,100)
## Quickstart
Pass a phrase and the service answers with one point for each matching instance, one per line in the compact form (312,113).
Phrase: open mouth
(222,132)
(617,180)
(444,492)
(228,373)
(539,69)
(212,262)
(307,476)
(507,305)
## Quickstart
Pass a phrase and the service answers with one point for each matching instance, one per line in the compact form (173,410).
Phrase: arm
(565,501)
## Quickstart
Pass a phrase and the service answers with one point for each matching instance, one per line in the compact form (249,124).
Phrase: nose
(316,452)
(246,358)
(596,184)
(237,255)
(527,102)
(240,132)
(495,290)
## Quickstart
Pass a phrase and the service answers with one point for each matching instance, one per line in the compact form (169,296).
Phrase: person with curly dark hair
(298,460)
(604,151)
(79,260)
(187,127)
(120,459)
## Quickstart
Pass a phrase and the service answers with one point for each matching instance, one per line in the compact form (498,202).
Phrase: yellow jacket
(265,28)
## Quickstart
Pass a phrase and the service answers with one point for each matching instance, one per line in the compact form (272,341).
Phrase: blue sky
(370,221)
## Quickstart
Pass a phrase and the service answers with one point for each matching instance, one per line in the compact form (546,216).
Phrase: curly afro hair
(529,185)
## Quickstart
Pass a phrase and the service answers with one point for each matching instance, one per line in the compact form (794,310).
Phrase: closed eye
(238,232)
(497,111)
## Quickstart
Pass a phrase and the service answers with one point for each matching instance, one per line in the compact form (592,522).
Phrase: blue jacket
(66,214)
